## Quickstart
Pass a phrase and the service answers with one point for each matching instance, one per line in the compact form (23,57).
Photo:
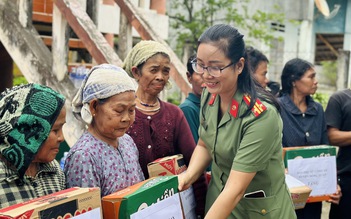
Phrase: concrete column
(307,36)
(347,39)
(125,37)
(109,36)
(343,70)
(60,39)
(6,64)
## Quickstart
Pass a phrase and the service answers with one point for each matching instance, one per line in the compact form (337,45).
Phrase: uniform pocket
(261,207)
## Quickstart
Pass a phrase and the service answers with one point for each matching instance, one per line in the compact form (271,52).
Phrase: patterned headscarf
(141,52)
(102,81)
(27,114)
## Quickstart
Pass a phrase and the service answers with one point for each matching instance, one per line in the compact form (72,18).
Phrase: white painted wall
(109,18)
(299,38)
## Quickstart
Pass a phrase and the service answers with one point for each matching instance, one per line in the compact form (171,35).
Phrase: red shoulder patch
(258,108)
(234,108)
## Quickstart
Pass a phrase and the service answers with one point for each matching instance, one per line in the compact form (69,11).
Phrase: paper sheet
(293,182)
(317,173)
(93,214)
(168,208)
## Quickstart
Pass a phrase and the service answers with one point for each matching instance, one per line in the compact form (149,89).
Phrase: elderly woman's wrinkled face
(50,147)
(112,118)
(154,74)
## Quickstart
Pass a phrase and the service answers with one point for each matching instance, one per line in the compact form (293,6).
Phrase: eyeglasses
(212,70)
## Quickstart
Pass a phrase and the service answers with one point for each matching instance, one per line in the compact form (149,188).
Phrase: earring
(94,114)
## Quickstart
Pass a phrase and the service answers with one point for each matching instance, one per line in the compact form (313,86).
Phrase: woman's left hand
(335,198)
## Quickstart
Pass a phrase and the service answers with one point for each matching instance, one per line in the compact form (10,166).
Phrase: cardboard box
(64,204)
(134,198)
(299,191)
(174,165)
(167,166)
(315,166)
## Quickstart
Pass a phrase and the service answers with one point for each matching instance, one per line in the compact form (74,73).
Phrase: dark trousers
(310,211)
(343,210)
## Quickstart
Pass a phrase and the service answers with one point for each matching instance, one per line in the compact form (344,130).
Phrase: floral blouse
(93,163)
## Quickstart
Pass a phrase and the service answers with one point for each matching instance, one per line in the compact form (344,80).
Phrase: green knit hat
(27,114)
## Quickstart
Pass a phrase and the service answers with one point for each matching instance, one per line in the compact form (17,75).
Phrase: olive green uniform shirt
(249,144)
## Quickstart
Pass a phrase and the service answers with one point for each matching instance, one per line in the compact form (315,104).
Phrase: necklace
(145,110)
(146,104)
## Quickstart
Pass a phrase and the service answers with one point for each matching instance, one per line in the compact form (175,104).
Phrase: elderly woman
(31,120)
(104,156)
(160,128)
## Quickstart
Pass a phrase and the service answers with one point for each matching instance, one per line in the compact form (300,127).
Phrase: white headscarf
(102,81)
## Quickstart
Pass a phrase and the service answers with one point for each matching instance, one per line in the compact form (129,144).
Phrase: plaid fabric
(13,190)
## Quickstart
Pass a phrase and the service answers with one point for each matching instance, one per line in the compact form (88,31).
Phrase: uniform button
(148,117)
(263,211)
(307,134)
(303,115)
(149,146)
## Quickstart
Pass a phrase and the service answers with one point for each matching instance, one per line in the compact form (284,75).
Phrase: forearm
(232,193)
(199,162)
(339,138)
(224,205)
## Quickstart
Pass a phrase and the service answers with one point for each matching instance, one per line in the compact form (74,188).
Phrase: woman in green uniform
(240,132)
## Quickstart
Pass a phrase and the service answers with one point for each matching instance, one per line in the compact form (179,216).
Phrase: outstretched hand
(183,182)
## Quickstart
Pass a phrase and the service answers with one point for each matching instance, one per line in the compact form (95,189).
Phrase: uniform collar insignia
(234,108)
(212,100)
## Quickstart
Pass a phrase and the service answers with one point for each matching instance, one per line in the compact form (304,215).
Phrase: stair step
(73,43)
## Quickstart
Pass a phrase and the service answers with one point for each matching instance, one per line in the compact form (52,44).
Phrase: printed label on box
(167,166)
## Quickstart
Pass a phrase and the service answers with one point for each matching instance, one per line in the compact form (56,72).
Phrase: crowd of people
(221,127)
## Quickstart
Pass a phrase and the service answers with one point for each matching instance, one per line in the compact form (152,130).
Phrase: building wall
(299,33)
(109,18)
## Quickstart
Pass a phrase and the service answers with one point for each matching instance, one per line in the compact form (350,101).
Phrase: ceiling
(327,47)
